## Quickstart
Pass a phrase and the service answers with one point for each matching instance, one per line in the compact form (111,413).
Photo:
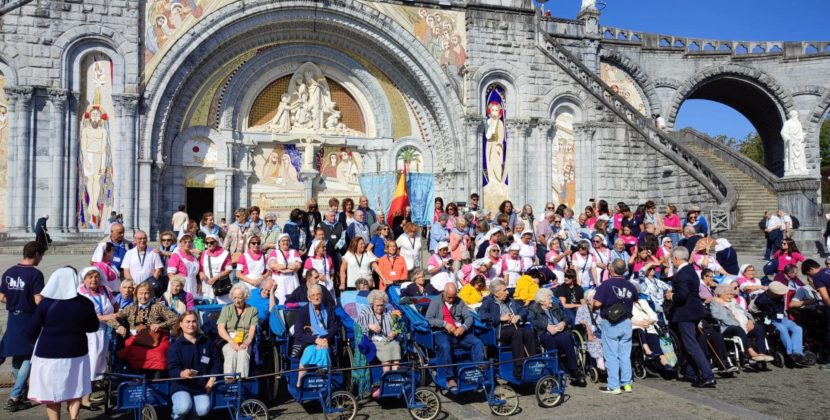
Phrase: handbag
(145,337)
(616,313)
(222,286)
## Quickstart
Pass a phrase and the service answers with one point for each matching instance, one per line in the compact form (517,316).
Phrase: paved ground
(779,393)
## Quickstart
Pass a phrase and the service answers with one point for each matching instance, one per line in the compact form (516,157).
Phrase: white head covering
(442,244)
(492,232)
(743,268)
(721,244)
(283,235)
(213,236)
(527,232)
(494,246)
(479,263)
(313,248)
(515,246)
(62,284)
(86,271)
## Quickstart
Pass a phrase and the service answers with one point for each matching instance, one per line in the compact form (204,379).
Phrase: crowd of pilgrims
(469,254)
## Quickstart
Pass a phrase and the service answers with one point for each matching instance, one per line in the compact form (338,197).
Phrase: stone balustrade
(692,45)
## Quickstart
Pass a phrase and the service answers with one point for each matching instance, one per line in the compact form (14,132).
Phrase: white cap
(515,247)
(442,245)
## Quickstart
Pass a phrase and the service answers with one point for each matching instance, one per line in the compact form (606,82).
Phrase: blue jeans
(446,342)
(616,347)
(20,372)
(790,335)
(184,403)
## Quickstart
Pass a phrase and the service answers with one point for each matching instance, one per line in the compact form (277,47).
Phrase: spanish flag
(399,199)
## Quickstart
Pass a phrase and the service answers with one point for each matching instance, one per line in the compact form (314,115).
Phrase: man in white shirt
(774,234)
(141,263)
(786,223)
(179,220)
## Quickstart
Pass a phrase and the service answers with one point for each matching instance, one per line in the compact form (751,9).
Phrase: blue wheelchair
(318,384)
(137,394)
(471,376)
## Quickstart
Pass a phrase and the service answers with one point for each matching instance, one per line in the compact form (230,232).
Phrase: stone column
(57,144)
(17,210)
(73,161)
(143,215)
(584,162)
(128,153)
(223,196)
(475,141)
(517,161)
(538,164)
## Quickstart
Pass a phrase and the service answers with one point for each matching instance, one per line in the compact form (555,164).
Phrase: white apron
(514,270)
(285,283)
(211,267)
(97,341)
(191,277)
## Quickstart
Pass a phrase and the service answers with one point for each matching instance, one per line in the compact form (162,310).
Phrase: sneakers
(715,369)
(606,390)
(732,369)
(627,388)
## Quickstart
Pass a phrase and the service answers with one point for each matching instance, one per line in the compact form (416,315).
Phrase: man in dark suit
(687,311)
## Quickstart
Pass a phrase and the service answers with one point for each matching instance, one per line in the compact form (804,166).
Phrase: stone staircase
(753,200)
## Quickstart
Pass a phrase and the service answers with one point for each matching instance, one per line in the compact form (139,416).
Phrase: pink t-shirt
(242,263)
(784,260)
(176,265)
(672,221)
(618,221)
(322,265)
(218,251)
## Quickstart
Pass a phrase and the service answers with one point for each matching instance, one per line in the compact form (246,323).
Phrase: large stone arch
(280,61)
(644,83)
(753,93)
(353,27)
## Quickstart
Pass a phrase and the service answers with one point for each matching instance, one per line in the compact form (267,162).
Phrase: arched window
(494,168)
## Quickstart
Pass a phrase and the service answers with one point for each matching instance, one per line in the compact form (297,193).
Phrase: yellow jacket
(525,289)
(470,295)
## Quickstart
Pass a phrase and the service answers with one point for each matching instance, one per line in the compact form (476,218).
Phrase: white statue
(281,123)
(588,5)
(795,163)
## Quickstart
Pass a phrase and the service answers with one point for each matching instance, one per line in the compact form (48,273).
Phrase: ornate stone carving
(795,163)
(58,97)
(307,107)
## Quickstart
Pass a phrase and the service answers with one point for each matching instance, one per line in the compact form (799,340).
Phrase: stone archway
(754,94)
(353,28)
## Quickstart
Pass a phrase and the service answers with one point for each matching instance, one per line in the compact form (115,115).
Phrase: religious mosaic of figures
(563,173)
(96,134)
(622,84)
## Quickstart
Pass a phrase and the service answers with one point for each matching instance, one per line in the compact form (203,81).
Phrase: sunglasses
(210,242)
(255,243)
(597,242)
(549,208)
(167,240)
(270,220)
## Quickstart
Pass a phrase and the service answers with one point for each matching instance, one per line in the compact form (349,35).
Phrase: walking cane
(711,348)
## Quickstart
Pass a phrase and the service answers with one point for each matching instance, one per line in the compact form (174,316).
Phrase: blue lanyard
(99,303)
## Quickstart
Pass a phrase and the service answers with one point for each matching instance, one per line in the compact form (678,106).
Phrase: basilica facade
(140,106)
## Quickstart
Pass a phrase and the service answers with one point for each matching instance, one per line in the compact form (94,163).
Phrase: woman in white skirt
(61,369)
(97,341)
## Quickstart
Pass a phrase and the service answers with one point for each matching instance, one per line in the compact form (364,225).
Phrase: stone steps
(753,198)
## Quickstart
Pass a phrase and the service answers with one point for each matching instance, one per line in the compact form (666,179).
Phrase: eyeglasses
(254,243)
(240,215)
(270,221)
(549,208)
(167,240)
(597,242)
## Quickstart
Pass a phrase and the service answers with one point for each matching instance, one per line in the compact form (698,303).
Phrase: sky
(747,20)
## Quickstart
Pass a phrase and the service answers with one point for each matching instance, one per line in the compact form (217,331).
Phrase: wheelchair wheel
(252,410)
(593,374)
(346,358)
(545,394)
(639,369)
(579,346)
(423,360)
(148,412)
(342,406)
(431,405)
(511,401)
(779,359)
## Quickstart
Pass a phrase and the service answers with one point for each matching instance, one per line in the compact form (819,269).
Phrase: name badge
(205,360)
(392,273)
(779,316)
(333,236)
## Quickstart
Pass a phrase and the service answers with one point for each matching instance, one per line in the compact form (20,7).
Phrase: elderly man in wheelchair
(452,316)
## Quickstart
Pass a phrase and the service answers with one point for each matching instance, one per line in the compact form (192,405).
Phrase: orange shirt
(393,269)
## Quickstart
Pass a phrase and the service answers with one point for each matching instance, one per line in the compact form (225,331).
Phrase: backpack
(796,224)
(771,267)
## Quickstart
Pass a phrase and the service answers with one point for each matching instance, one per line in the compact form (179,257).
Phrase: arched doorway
(749,97)
(369,58)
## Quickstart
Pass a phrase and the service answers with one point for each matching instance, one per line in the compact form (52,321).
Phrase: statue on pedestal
(795,163)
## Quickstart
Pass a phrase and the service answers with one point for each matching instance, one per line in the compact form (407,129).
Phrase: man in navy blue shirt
(820,277)
(687,311)
(20,290)
(614,294)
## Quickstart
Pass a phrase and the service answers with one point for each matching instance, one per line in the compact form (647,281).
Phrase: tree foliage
(824,151)
(750,146)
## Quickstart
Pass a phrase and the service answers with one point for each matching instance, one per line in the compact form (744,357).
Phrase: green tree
(750,146)
(824,151)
